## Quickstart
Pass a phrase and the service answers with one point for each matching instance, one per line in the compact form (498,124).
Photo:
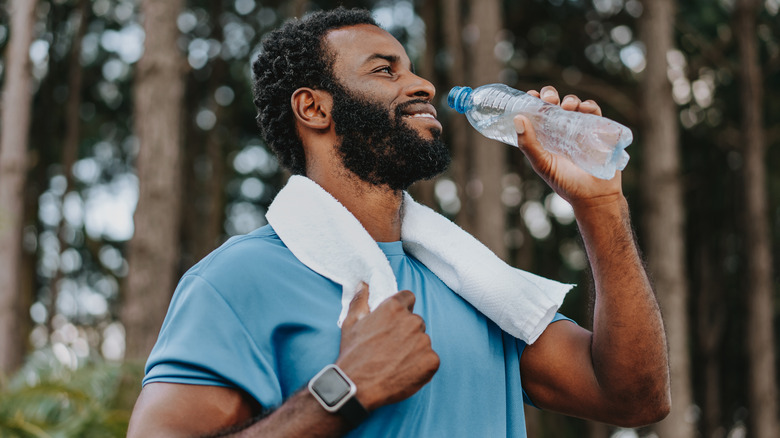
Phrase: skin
(617,374)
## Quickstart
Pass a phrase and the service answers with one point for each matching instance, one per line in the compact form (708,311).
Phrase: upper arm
(171,409)
(558,373)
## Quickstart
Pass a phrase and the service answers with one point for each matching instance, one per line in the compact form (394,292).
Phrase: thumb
(358,308)
(529,144)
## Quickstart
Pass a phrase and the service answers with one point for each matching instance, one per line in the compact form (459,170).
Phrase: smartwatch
(336,393)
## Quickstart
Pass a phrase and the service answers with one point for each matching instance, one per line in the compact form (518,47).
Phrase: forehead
(355,45)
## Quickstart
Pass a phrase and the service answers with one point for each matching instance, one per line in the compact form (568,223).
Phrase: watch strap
(353,411)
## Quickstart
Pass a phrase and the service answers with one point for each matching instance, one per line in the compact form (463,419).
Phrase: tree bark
(762,380)
(663,208)
(458,130)
(711,316)
(153,255)
(489,156)
(298,8)
(204,165)
(16,106)
(423,191)
(70,144)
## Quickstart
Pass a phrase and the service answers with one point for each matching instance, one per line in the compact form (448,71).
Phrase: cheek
(375,92)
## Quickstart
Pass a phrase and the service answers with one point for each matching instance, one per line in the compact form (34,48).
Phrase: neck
(377,208)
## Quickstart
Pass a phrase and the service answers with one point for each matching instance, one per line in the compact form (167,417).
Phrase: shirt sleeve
(521,347)
(203,342)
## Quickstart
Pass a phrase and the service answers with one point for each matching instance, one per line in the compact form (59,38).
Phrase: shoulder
(241,264)
(259,251)
(260,243)
(250,267)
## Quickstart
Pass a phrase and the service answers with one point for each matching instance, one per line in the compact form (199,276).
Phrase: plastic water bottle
(596,144)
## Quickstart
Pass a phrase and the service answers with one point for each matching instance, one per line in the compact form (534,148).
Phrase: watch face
(331,387)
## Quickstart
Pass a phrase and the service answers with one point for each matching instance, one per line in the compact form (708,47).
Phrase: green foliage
(47,399)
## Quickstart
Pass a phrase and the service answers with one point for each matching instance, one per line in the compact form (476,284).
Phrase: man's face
(382,111)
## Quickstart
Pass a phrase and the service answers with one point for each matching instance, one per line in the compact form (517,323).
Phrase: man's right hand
(386,352)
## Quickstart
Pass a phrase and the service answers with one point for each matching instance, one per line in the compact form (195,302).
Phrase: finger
(406,298)
(358,307)
(570,102)
(550,95)
(533,93)
(526,140)
(422,323)
(590,107)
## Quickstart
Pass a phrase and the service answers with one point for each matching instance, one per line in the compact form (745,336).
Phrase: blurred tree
(663,210)
(711,316)
(16,105)
(70,144)
(459,133)
(763,391)
(424,191)
(204,164)
(488,157)
(154,249)
(701,70)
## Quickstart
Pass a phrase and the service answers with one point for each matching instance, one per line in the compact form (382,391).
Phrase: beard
(384,150)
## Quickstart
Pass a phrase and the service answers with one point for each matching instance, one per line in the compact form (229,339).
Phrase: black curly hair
(295,56)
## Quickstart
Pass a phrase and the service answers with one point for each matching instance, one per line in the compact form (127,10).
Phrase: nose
(420,87)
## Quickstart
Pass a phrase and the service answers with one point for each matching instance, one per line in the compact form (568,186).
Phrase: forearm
(628,348)
(300,415)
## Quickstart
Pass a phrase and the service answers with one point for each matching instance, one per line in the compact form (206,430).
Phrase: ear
(312,108)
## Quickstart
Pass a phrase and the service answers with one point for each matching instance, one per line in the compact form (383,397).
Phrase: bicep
(558,373)
(171,409)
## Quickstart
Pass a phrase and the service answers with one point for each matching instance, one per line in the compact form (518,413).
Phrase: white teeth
(430,116)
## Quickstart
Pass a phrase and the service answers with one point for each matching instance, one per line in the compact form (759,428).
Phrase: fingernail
(547,93)
(568,100)
(519,127)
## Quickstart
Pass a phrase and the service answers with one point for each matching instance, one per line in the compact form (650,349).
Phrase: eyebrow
(393,59)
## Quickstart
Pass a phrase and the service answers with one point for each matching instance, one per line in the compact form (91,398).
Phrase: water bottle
(596,144)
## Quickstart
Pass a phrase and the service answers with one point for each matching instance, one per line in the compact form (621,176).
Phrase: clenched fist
(386,352)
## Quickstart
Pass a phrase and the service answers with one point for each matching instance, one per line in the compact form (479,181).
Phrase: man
(249,325)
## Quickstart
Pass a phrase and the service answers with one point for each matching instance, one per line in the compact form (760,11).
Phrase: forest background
(129,150)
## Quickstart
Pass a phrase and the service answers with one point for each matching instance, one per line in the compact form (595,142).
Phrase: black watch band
(336,393)
(354,412)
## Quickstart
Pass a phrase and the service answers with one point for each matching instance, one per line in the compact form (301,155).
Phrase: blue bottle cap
(458,98)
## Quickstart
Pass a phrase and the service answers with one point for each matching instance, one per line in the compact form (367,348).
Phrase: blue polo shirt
(251,316)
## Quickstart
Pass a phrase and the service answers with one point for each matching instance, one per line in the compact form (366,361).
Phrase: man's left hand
(572,183)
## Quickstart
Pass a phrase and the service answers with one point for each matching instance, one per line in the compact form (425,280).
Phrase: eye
(384,69)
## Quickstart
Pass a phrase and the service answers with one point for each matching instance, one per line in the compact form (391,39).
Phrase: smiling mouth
(420,115)
(418,109)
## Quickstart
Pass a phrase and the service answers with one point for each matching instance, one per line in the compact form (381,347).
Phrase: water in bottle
(594,143)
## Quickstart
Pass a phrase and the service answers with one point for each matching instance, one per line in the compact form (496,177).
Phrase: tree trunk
(204,164)
(459,130)
(663,208)
(215,193)
(153,255)
(711,318)
(70,144)
(16,105)
(423,191)
(298,8)
(489,156)
(75,80)
(762,381)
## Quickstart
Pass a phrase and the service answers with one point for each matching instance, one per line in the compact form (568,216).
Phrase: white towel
(327,238)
